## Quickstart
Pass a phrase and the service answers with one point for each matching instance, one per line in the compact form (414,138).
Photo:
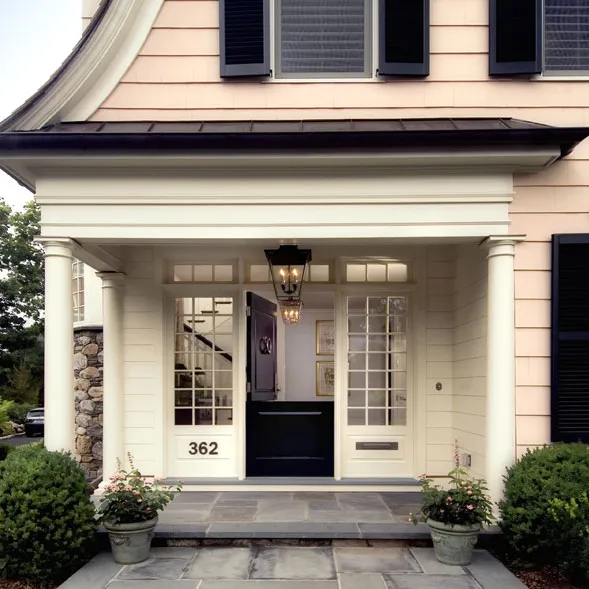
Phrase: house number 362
(203,448)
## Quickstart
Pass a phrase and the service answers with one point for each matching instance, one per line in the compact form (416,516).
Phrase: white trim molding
(93,69)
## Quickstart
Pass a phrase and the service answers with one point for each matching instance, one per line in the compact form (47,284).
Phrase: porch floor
(296,514)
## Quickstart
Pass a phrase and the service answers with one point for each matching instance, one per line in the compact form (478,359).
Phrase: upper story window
(549,37)
(566,36)
(78,289)
(323,38)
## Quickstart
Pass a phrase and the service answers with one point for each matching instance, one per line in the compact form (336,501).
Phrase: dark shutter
(515,37)
(244,38)
(570,338)
(403,38)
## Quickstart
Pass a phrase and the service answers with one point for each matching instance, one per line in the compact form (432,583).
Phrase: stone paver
(156,569)
(375,560)
(271,510)
(430,582)
(428,563)
(293,567)
(221,563)
(236,513)
(293,563)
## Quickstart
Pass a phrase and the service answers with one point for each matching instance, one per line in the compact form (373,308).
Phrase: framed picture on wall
(325,377)
(324,337)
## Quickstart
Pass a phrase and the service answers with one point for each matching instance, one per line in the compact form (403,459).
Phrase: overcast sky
(35,37)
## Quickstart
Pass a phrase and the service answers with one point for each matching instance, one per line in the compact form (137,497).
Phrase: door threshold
(302,484)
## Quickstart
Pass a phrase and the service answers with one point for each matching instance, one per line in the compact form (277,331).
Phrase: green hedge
(534,519)
(47,521)
(5,449)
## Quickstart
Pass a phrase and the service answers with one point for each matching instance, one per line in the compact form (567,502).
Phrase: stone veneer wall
(88,369)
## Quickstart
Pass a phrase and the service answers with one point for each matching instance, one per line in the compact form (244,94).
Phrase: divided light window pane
(322,36)
(566,35)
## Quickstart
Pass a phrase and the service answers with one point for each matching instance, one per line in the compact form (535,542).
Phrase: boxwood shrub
(532,519)
(47,521)
(5,449)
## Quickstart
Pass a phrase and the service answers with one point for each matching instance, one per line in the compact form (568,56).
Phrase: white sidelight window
(203,362)
(377,360)
(78,289)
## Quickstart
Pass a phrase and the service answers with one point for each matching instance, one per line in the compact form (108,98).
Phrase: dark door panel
(290,438)
(261,348)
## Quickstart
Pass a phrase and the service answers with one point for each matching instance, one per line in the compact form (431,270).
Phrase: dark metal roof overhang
(88,138)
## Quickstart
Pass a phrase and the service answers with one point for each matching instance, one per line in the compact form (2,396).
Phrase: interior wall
(470,354)
(301,358)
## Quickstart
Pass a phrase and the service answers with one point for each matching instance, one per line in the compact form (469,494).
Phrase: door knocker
(266,345)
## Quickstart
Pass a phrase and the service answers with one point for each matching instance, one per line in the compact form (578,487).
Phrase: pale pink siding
(176,77)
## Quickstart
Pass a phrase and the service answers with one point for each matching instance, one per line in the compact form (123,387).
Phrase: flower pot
(453,544)
(130,543)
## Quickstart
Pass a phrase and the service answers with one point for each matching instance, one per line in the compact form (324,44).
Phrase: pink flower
(470,507)
(148,509)
(441,511)
(463,483)
(139,500)
(449,500)
(469,492)
(436,486)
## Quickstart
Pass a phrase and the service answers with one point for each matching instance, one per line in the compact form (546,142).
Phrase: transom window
(203,273)
(261,273)
(377,360)
(203,361)
(324,38)
(78,290)
(566,36)
(376,271)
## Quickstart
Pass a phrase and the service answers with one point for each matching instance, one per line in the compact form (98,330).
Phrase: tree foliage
(21,293)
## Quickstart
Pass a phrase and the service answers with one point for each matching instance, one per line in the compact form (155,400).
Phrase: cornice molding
(93,69)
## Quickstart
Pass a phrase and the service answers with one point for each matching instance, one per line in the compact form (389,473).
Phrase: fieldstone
(101,358)
(80,431)
(90,350)
(83,340)
(95,431)
(80,395)
(80,361)
(90,373)
(87,406)
(100,418)
(97,450)
(84,446)
(99,337)
(83,420)
(96,392)
(86,458)
(81,384)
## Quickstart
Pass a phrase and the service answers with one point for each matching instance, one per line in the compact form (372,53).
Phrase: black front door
(283,438)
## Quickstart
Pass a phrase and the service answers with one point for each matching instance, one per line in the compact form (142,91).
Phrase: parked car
(35,422)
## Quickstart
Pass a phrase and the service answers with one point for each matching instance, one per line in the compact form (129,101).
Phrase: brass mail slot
(377,445)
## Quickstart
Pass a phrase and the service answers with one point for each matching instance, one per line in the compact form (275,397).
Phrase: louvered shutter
(244,35)
(570,338)
(322,37)
(566,36)
(403,38)
(515,37)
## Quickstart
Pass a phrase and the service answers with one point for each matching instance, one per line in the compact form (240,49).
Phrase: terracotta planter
(453,544)
(130,543)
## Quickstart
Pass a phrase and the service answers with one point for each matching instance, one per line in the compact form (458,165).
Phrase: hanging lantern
(289,267)
(291,311)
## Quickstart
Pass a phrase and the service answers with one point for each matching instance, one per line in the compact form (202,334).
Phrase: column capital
(501,245)
(57,246)
(111,279)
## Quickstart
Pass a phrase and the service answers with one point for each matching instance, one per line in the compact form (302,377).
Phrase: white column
(500,419)
(59,345)
(113,434)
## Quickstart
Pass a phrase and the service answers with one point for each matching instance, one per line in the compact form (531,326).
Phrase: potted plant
(128,510)
(455,515)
